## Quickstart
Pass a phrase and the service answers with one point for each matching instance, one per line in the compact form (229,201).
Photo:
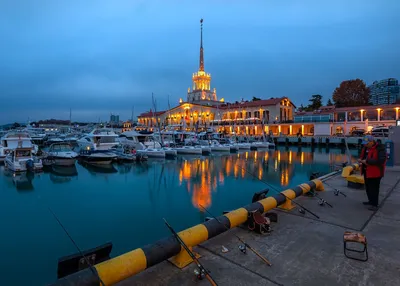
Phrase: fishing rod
(202,271)
(77,247)
(245,244)
(336,191)
(321,200)
(302,208)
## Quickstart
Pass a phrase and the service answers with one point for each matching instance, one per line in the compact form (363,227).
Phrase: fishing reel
(302,211)
(243,248)
(199,274)
(336,192)
(321,203)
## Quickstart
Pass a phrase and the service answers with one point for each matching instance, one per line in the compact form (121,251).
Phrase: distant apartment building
(114,119)
(385,91)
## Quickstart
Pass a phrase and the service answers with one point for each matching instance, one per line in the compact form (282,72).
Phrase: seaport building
(277,116)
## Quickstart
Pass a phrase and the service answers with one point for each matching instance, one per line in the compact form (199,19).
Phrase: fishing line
(279,192)
(74,243)
(241,240)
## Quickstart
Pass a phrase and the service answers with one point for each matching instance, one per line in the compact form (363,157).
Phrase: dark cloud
(98,57)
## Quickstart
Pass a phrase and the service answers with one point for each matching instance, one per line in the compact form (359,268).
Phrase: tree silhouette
(329,103)
(351,93)
(255,98)
(316,103)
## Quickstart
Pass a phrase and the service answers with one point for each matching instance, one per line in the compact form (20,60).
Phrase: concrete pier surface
(303,250)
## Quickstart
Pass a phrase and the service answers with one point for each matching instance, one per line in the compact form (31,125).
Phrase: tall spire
(201,47)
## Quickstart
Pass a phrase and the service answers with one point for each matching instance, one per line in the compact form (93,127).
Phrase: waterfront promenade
(304,250)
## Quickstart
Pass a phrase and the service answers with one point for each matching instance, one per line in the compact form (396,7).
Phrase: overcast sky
(101,56)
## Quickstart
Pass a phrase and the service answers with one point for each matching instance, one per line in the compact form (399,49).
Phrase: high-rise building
(386,91)
(114,119)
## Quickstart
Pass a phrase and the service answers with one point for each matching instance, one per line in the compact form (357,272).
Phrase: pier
(302,249)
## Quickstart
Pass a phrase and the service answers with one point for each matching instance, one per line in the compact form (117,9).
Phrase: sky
(98,57)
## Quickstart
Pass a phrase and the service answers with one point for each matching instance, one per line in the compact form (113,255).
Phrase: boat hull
(192,151)
(220,149)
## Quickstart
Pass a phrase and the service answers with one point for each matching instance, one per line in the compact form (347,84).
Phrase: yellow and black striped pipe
(128,264)
(348,170)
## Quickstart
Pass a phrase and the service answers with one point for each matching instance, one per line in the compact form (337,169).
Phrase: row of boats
(102,146)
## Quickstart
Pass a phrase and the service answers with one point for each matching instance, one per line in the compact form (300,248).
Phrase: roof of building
(151,113)
(256,103)
(332,109)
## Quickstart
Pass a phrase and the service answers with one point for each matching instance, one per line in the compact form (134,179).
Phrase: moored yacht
(100,139)
(97,157)
(60,154)
(21,159)
(12,140)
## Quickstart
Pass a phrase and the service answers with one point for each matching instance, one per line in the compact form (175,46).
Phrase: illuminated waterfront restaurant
(276,116)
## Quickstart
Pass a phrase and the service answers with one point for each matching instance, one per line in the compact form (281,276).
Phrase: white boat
(169,152)
(51,139)
(233,147)
(217,147)
(189,150)
(152,152)
(22,160)
(70,139)
(260,144)
(13,140)
(60,154)
(205,150)
(123,153)
(97,157)
(244,146)
(100,139)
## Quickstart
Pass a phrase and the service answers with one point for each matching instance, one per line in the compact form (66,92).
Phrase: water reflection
(102,169)
(202,176)
(62,174)
(21,181)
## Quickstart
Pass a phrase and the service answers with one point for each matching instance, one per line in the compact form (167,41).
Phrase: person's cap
(367,139)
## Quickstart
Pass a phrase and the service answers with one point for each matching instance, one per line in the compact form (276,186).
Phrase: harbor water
(125,203)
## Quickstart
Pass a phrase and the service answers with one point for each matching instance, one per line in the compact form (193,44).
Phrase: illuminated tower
(201,91)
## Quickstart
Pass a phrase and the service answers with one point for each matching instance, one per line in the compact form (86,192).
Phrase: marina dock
(303,250)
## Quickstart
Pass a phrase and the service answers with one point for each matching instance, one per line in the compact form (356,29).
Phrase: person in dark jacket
(373,160)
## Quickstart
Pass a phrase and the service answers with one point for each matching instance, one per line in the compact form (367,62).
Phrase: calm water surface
(125,204)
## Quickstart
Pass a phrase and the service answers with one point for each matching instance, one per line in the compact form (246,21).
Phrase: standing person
(373,160)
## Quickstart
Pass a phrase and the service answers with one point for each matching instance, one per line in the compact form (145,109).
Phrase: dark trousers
(372,188)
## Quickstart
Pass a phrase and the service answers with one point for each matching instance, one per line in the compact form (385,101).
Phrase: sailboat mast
(157,121)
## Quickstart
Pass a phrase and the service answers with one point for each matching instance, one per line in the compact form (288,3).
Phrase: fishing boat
(60,154)
(100,139)
(22,160)
(97,157)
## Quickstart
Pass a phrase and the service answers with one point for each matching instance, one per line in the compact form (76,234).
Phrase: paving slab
(302,249)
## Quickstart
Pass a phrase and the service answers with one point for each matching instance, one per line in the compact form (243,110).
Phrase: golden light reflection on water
(203,176)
